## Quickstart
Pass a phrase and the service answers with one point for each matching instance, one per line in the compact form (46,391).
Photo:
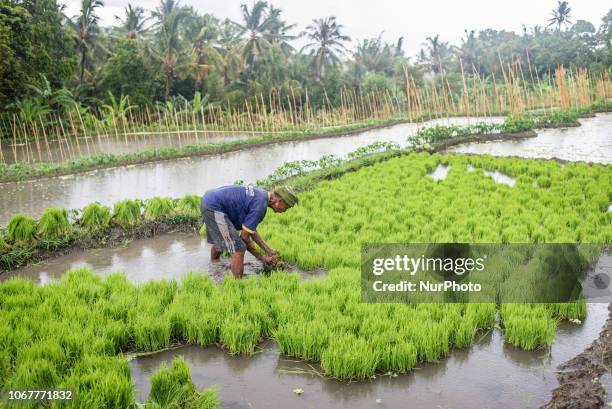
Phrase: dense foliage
(173,52)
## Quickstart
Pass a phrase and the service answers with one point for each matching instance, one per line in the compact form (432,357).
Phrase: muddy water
(167,256)
(490,374)
(88,146)
(591,142)
(440,172)
(184,176)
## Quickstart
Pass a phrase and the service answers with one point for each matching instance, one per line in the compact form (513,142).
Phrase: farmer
(231,208)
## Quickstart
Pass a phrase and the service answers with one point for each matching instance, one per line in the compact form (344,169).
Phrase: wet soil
(489,374)
(164,256)
(579,378)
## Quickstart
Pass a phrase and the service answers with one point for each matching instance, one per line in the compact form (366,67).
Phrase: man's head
(282,198)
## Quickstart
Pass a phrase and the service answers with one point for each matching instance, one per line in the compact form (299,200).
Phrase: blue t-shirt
(244,205)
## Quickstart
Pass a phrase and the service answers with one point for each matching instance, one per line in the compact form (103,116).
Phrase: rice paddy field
(78,332)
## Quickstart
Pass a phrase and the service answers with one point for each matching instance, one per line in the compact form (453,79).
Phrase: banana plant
(117,110)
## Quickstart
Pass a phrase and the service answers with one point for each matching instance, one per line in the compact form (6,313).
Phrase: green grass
(126,213)
(95,216)
(53,223)
(21,229)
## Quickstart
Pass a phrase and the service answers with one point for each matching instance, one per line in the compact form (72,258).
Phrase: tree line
(50,61)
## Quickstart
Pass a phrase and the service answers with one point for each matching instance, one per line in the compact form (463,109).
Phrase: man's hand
(269,262)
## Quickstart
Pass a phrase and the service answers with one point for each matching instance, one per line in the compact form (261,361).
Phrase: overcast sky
(414,20)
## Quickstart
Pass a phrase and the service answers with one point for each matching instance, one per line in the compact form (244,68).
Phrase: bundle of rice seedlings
(21,229)
(173,388)
(4,247)
(188,206)
(126,212)
(96,216)
(53,223)
(157,208)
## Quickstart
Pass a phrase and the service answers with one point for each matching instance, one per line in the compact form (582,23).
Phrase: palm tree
(133,22)
(202,32)
(438,53)
(279,32)
(561,15)
(86,31)
(256,24)
(169,16)
(326,43)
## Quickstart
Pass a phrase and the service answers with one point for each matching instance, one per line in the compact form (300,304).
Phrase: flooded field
(179,177)
(591,142)
(489,374)
(167,256)
(89,146)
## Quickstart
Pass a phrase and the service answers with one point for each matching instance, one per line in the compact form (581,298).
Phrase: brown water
(591,142)
(109,144)
(179,177)
(490,374)
(167,256)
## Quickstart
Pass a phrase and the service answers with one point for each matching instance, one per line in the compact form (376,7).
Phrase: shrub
(126,213)
(96,216)
(53,223)
(21,229)
(157,208)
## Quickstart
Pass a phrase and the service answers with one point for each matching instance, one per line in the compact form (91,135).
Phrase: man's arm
(262,243)
(247,238)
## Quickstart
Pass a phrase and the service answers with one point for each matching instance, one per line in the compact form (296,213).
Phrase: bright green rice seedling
(21,229)
(527,326)
(126,213)
(172,388)
(188,206)
(349,357)
(53,223)
(96,216)
(157,208)
(239,335)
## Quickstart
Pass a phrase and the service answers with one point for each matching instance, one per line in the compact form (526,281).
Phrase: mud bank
(579,378)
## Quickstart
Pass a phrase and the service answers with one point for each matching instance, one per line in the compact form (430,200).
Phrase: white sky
(415,20)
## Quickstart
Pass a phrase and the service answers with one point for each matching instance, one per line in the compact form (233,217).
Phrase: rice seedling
(4,247)
(21,229)
(75,327)
(53,223)
(240,335)
(172,388)
(95,216)
(126,213)
(157,208)
(349,357)
(188,206)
